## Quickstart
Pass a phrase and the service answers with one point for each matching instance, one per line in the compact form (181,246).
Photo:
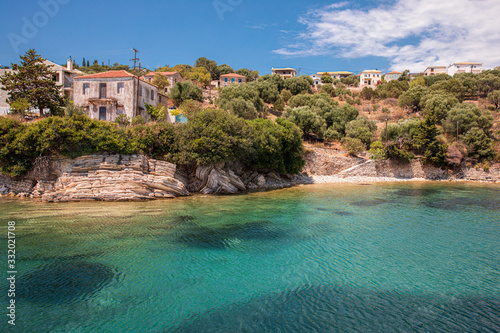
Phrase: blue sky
(311,35)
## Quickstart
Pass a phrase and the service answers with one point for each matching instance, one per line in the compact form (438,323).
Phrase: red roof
(233,75)
(162,73)
(107,75)
(394,72)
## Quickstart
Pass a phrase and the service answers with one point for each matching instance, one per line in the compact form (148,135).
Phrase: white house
(435,70)
(370,78)
(285,72)
(465,67)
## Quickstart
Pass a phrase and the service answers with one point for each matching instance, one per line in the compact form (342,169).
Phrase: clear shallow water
(418,257)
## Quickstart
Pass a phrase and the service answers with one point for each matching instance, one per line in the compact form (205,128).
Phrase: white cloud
(411,34)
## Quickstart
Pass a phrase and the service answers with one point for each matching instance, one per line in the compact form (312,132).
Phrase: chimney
(69,66)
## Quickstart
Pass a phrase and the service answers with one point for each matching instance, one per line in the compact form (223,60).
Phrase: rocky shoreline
(114,177)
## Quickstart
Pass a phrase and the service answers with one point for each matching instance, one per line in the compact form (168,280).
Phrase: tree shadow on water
(62,282)
(340,309)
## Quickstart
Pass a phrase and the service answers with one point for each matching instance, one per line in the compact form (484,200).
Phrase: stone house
(64,76)
(435,70)
(285,72)
(370,78)
(231,78)
(173,78)
(465,67)
(4,94)
(106,95)
(391,76)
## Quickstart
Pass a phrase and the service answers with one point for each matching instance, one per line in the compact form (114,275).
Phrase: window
(121,87)
(86,88)
(152,94)
(225,79)
(239,80)
(232,80)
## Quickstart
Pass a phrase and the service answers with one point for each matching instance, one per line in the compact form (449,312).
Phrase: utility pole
(135,57)
(137,89)
(137,93)
(300,70)
(386,132)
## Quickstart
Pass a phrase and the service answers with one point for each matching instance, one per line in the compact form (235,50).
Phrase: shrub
(122,120)
(377,151)
(361,128)
(392,151)
(353,145)
(479,145)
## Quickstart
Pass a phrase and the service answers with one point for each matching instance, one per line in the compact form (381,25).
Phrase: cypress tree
(426,142)
(83,63)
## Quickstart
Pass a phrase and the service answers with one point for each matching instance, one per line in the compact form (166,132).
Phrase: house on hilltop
(173,78)
(231,78)
(64,76)
(435,70)
(465,67)
(336,75)
(370,78)
(285,73)
(106,95)
(391,76)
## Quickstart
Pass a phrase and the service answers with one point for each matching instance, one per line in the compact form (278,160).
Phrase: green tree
(20,106)
(161,82)
(377,151)
(326,79)
(351,80)
(286,95)
(353,145)
(225,69)
(279,105)
(200,75)
(297,85)
(468,116)
(241,108)
(247,73)
(439,103)
(307,120)
(411,98)
(183,91)
(426,142)
(361,128)
(418,81)
(210,66)
(158,112)
(479,144)
(494,98)
(32,80)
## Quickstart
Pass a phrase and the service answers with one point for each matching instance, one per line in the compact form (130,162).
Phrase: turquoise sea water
(413,257)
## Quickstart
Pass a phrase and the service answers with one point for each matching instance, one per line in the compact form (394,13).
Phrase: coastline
(114,177)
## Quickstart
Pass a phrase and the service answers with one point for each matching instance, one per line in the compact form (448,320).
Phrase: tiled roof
(338,73)
(284,69)
(107,75)
(371,71)
(233,75)
(162,73)
(394,72)
(468,63)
